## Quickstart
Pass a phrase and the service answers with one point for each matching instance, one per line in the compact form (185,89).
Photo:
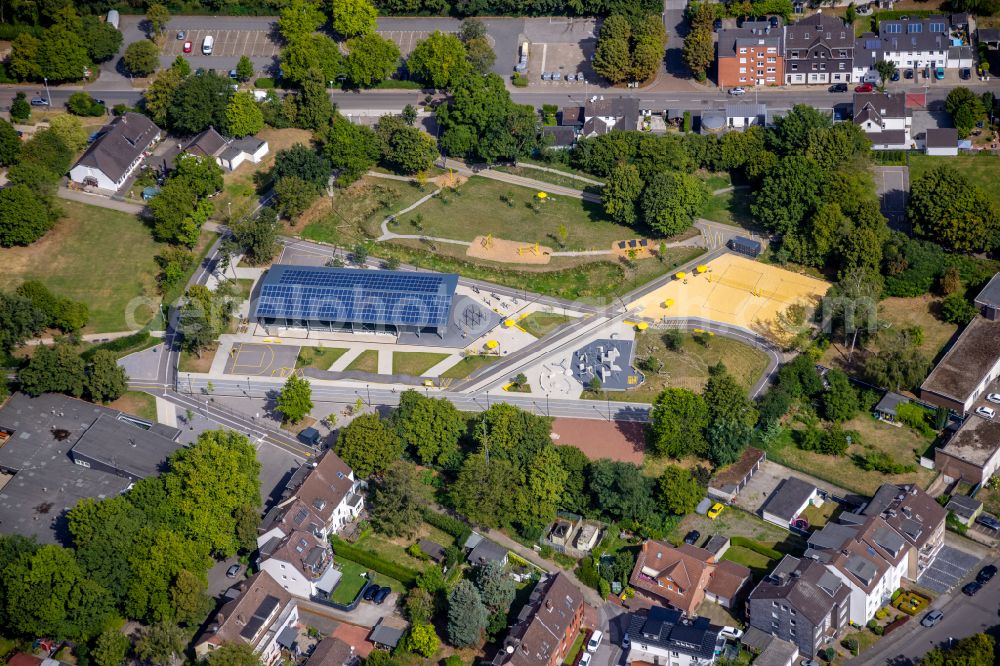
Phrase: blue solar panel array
(356,296)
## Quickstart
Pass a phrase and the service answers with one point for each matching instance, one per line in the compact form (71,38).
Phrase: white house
(666,636)
(116,153)
(259,613)
(884,119)
(941,141)
(299,562)
(740,115)
(912,43)
(228,153)
(601,115)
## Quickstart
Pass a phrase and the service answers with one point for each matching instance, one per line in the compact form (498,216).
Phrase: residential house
(740,115)
(601,115)
(483,550)
(770,650)
(729,481)
(884,119)
(386,635)
(787,502)
(965,508)
(260,615)
(228,153)
(916,517)
(990,37)
(685,576)
(432,549)
(321,497)
(751,55)
(332,651)
(802,602)
(666,636)
(116,153)
(941,141)
(819,49)
(910,43)
(559,137)
(546,626)
(300,562)
(885,410)
(972,363)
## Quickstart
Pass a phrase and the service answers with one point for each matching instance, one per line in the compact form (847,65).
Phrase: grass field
(356,212)
(729,208)
(467,366)
(136,403)
(561,179)
(758,564)
(903,445)
(478,208)
(101,257)
(192,363)
(367,361)
(540,324)
(687,367)
(352,580)
(735,522)
(980,169)
(320,358)
(415,363)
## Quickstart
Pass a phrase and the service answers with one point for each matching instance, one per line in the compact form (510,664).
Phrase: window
(770,79)
(772,49)
(743,61)
(743,49)
(841,67)
(743,79)
(795,66)
(771,70)
(937,27)
(743,70)
(772,60)
(892,28)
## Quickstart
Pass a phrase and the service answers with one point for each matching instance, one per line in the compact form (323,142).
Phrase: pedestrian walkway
(91,337)
(589,181)
(166,412)
(384,361)
(346,359)
(443,366)
(100,201)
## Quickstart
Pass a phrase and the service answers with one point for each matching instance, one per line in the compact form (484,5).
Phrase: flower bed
(911,603)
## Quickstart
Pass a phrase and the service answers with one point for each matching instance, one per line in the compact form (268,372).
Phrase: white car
(585,659)
(732,633)
(994,398)
(595,641)
(736,92)
(986,412)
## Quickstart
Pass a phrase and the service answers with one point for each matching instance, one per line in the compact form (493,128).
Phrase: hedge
(758,548)
(346,551)
(119,346)
(446,523)
(265,82)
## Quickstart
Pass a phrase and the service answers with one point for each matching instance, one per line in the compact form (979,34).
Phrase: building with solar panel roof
(354,300)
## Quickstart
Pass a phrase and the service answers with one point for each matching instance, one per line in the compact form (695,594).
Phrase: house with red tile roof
(685,576)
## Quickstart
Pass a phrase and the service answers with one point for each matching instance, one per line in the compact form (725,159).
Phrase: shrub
(916,417)
(956,525)
(879,461)
(264,82)
(344,550)
(118,346)
(519,81)
(603,588)
(881,614)
(446,523)
(588,574)
(415,552)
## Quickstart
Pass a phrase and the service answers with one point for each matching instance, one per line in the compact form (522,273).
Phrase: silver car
(932,618)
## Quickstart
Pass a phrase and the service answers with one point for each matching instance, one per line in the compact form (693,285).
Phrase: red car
(187,47)
(864,88)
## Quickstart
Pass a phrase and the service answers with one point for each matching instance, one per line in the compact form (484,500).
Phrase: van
(112,19)
(595,641)
(206,46)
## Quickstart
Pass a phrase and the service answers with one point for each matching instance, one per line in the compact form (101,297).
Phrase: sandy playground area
(508,251)
(735,290)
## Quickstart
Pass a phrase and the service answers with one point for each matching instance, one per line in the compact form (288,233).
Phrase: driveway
(948,569)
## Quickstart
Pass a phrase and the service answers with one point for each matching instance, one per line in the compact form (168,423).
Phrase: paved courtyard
(892,183)
(262,360)
(948,569)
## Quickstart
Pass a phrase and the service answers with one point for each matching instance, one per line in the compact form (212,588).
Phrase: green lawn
(385,548)
(136,403)
(415,363)
(101,257)
(540,324)
(352,580)
(716,180)
(467,366)
(736,522)
(729,208)
(357,212)
(551,178)
(758,564)
(367,361)
(687,367)
(981,169)
(574,649)
(320,358)
(478,208)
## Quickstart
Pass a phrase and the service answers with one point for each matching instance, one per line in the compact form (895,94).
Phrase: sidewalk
(99,200)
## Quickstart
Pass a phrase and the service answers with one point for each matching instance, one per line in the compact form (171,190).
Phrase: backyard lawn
(320,358)
(736,522)
(353,579)
(101,257)
(393,549)
(540,324)
(729,208)
(687,367)
(980,169)
(415,363)
(758,564)
(467,366)
(367,361)
(357,211)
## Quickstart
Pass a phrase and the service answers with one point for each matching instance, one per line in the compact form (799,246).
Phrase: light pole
(369,389)
(47,93)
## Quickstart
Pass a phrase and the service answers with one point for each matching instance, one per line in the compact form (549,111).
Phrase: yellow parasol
(642,326)
(542,195)
(702,268)
(680,275)
(492,344)
(508,323)
(667,303)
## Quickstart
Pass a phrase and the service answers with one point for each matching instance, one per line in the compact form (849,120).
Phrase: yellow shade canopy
(492,344)
(542,195)
(680,275)
(667,303)
(702,268)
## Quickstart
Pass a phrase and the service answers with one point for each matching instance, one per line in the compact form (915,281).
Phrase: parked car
(716,509)
(864,88)
(595,641)
(232,74)
(909,74)
(187,47)
(382,594)
(932,618)
(994,398)
(895,76)
(838,88)
(965,73)
(717,25)
(988,521)
(181,35)
(939,73)
(585,659)
(737,92)
(626,642)
(39,101)
(731,632)
(970,589)
(691,538)
(986,412)
(370,592)
(986,574)
(207,45)
(232,571)
(774,21)
(809,662)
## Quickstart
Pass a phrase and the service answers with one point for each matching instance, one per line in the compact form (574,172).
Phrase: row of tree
(630,49)
(64,51)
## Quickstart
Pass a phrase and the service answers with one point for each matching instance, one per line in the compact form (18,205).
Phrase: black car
(970,589)
(717,25)
(895,76)
(838,88)
(988,521)
(965,73)
(381,595)
(986,574)
(774,21)
(909,74)
(691,538)
(370,592)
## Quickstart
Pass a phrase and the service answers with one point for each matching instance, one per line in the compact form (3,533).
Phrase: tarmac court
(261,360)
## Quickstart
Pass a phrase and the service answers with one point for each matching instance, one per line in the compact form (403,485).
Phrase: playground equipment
(529,249)
(487,242)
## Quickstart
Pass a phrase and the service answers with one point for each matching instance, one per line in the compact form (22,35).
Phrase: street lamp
(47,93)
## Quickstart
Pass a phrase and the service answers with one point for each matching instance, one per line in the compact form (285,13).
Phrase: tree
(671,202)
(20,319)
(731,416)
(496,588)
(794,129)
(419,605)
(480,120)
(480,55)
(233,654)
(70,131)
(946,208)
(897,363)
(83,104)
(23,62)
(620,193)
(10,144)
(480,492)
(313,106)
(886,69)
(423,640)
(466,615)
(142,58)
(840,401)
(309,54)
(111,647)
(621,492)
(788,194)
(352,149)
(439,60)
(405,149)
(159,96)
(300,18)
(303,162)
(679,418)
(199,102)
(102,39)
(243,116)
(353,17)
(188,597)
(368,445)
(372,58)
(161,643)
(294,196)
(157,16)
(257,236)
(106,380)
(244,69)
(966,109)
(24,217)
(430,427)
(20,110)
(53,370)
(295,400)
(974,649)
(956,309)
(699,52)
(612,56)
(628,50)
(398,500)
(850,16)
(680,490)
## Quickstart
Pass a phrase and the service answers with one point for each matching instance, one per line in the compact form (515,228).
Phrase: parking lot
(253,43)
(948,569)
(407,40)
(563,60)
